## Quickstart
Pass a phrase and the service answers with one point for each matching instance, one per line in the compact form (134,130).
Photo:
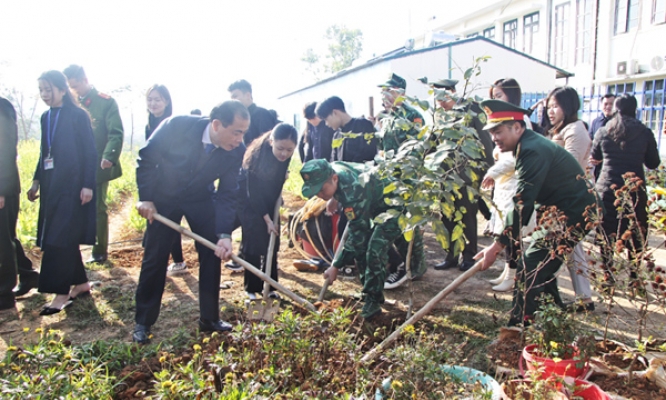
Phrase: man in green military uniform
(108,132)
(393,133)
(548,175)
(471,206)
(360,191)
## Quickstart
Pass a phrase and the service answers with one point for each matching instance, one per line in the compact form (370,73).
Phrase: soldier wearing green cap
(548,175)
(360,191)
(108,133)
(393,134)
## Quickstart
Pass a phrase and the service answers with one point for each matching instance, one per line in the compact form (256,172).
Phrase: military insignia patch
(88,101)
(349,213)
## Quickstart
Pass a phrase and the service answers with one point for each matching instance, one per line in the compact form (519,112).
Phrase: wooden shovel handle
(245,264)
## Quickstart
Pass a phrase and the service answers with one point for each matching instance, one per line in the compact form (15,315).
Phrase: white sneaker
(396,279)
(177,268)
(251,296)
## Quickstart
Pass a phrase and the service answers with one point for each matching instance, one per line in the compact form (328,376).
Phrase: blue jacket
(173,168)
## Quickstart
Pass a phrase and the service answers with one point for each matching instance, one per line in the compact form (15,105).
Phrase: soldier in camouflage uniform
(360,191)
(392,135)
(108,132)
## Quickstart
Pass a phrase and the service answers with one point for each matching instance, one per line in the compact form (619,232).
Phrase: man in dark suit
(176,167)
(12,258)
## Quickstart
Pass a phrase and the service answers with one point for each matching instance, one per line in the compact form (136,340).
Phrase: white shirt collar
(205,139)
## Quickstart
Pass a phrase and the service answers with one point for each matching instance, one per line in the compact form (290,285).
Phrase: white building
(609,45)
(357,86)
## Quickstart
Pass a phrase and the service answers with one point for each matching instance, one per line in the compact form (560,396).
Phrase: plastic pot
(550,367)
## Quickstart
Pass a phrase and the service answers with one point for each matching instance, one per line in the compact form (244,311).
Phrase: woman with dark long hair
(158,103)
(63,181)
(562,105)
(265,167)
(624,145)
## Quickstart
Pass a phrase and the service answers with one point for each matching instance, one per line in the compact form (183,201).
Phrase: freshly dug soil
(505,353)
(637,389)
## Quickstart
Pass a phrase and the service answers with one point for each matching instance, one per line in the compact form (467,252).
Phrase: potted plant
(556,344)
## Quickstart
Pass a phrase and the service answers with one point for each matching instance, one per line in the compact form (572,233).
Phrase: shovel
(267,308)
(341,244)
(238,260)
(369,356)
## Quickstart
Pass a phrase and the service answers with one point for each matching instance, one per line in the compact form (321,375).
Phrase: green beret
(394,81)
(315,173)
(499,111)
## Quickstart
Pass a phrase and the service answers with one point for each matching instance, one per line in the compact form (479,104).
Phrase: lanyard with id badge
(48,161)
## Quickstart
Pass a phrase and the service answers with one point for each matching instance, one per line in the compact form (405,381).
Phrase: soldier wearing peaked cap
(368,244)
(548,175)
(108,133)
(392,135)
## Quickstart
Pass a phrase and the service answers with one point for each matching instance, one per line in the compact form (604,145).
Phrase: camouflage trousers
(372,263)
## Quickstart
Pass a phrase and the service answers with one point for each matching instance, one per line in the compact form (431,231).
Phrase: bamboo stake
(245,264)
(369,356)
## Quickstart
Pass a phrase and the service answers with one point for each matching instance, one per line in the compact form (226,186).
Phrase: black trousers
(12,257)
(62,267)
(158,240)
(469,219)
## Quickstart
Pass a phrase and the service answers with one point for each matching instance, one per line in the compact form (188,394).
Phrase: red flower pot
(548,366)
(588,391)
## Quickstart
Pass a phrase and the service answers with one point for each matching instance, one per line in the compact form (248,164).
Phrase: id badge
(48,163)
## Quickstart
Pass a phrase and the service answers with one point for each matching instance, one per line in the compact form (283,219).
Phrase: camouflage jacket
(392,134)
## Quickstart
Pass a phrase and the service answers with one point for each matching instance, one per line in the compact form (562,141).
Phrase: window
(561,39)
(471,35)
(584,23)
(652,113)
(510,33)
(530,28)
(658,11)
(626,15)
(489,33)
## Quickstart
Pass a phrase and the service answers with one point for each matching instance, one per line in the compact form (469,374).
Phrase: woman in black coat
(623,145)
(64,178)
(264,171)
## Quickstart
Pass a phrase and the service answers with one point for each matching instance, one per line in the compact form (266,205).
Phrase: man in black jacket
(176,168)
(12,258)
(262,119)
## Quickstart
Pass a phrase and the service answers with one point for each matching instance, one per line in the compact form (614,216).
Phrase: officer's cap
(395,81)
(449,84)
(315,173)
(499,111)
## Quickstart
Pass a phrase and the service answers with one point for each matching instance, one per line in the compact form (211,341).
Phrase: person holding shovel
(176,167)
(362,199)
(549,175)
(265,166)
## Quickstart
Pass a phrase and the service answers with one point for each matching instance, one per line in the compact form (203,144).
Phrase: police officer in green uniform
(548,175)
(360,191)
(472,206)
(108,132)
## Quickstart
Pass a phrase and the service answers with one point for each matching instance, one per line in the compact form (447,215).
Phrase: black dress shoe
(447,264)
(141,334)
(97,258)
(466,265)
(24,287)
(214,326)
(579,307)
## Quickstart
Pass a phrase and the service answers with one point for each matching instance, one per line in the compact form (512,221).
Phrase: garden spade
(267,308)
(243,263)
(343,239)
(369,356)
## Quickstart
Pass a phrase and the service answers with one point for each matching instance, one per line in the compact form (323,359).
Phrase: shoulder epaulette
(103,95)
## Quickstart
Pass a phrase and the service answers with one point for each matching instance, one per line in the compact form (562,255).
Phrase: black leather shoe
(214,326)
(141,334)
(466,265)
(97,258)
(579,306)
(447,264)
(24,287)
